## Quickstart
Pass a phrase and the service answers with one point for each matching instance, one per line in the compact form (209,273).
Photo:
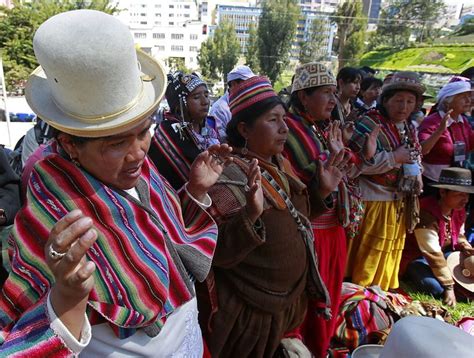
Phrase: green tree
(251,53)
(276,32)
(17,27)
(177,64)
(351,29)
(314,48)
(403,18)
(219,54)
(466,28)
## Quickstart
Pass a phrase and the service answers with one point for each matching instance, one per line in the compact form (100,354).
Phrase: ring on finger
(53,254)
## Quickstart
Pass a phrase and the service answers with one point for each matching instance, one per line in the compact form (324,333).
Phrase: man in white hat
(220,109)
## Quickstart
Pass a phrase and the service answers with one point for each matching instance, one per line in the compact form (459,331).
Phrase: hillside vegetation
(429,59)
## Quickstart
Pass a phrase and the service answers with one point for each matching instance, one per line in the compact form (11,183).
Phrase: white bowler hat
(421,337)
(240,73)
(92,82)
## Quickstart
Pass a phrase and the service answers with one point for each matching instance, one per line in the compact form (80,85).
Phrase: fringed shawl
(145,255)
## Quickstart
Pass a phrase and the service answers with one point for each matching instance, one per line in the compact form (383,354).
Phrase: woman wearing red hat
(264,268)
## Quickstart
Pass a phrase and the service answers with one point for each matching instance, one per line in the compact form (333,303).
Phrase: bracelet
(448,287)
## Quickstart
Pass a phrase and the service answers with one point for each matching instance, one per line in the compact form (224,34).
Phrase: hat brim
(367,351)
(418,89)
(454,265)
(39,97)
(458,91)
(461,188)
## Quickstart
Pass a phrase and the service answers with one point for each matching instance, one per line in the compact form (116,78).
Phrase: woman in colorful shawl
(264,267)
(186,131)
(446,137)
(104,253)
(439,233)
(390,186)
(309,144)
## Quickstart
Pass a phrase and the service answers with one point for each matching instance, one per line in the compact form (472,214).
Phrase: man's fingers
(77,251)
(65,221)
(68,236)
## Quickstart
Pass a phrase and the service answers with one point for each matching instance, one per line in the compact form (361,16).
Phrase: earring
(244,150)
(76,162)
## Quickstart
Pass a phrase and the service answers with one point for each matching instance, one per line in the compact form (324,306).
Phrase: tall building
(241,17)
(166,28)
(371,8)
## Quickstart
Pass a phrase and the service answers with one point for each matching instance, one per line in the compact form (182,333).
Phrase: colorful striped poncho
(145,255)
(174,150)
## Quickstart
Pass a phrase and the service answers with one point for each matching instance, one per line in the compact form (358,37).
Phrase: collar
(451,120)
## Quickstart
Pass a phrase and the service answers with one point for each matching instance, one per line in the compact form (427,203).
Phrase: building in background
(241,17)
(371,8)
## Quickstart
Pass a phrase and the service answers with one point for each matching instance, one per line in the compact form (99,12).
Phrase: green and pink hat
(249,92)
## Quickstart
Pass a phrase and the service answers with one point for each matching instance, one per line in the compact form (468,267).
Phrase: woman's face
(454,199)
(371,93)
(349,89)
(461,102)
(320,103)
(198,104)
(267,135)
(116,160)
(400,105)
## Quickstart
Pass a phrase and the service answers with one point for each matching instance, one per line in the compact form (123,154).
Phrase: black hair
(369,81)
(385,96)
(469,73)
(349,74)
(295,101)
(249,115)
(367,69)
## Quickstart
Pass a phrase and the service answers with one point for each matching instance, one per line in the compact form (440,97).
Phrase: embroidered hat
(462,269)
(180,86)
(92,82)
(240,73)
(313,74)
(404,81)
(249,92)
(455,86)
(456,179)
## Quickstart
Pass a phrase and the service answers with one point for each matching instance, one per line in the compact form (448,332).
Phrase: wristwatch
(3,217)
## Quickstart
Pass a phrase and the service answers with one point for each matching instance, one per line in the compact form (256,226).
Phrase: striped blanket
(145,254)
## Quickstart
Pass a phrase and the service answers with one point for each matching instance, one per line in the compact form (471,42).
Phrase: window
(177,36)
(171,15)
(158,36)
(140,35)
(143,22)
(176,48)
(186,15)
(171,6)
(171,23)
(193,48)
(157,14)
(186,6)
(193,37)
(160,48)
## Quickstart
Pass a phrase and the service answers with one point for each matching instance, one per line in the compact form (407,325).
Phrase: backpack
(43,133)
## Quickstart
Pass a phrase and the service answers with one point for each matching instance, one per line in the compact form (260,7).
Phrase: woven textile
(312,74)
(144,254)
(247,93)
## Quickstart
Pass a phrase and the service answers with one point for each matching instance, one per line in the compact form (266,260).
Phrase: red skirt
(330,246)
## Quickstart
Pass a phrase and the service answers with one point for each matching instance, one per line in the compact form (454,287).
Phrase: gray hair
(445,102)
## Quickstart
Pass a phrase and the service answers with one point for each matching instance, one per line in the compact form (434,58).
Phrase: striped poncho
(144,255)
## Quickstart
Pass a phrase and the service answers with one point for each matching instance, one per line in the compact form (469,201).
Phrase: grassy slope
(433,59)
